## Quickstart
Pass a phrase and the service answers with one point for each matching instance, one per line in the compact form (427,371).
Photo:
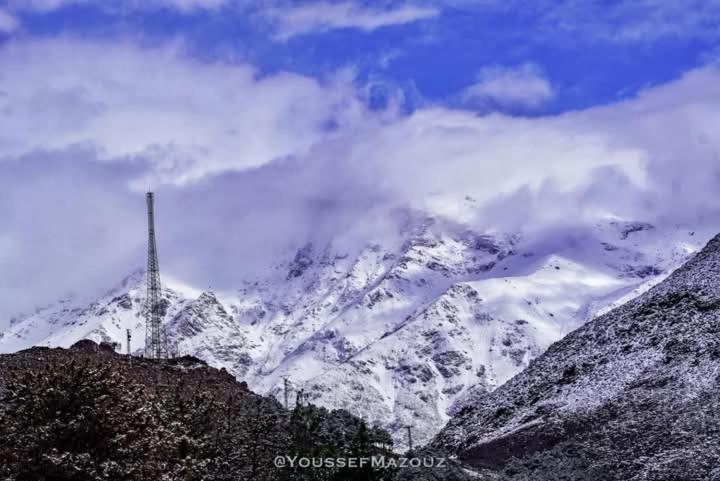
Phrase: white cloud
(314,17)
(43,5)
(638,20)
(247,166)
(522,86)
(119,5)
(617,21)
(8,22)
(189,5)
(290,20)
(186,118)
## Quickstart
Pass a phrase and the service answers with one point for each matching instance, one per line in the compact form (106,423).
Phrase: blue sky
(590,52)
(262,125)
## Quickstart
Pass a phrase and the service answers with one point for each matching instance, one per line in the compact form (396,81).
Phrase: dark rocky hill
(631,396)
(87,413)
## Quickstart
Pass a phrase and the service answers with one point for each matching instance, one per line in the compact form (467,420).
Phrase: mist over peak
(228,208)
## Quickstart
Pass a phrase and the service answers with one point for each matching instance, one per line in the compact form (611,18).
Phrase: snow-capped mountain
(631,395)
(402,332)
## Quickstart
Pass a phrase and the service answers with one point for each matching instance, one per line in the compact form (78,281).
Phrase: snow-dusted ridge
(402,333)
(631,395)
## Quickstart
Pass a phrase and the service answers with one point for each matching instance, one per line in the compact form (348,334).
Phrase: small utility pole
(285,390)
(129,337)
(409,433)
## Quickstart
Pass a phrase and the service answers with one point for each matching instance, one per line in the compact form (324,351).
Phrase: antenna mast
(153,307)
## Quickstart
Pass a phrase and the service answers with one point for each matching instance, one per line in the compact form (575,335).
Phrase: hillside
(632,395)
(89,414)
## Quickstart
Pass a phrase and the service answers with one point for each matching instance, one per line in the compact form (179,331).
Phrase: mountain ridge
(631,395)
(401,333)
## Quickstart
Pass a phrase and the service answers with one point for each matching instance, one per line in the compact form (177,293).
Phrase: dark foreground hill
(631,396)
(87,413)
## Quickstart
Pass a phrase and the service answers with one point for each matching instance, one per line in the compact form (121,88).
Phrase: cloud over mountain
(248,166)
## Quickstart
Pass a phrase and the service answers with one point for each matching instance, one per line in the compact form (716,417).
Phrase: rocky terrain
(88,414)
(632,395)
(404,331)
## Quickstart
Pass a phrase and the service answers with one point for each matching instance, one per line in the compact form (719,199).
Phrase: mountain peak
(419,321)
(133,280)
(700,276)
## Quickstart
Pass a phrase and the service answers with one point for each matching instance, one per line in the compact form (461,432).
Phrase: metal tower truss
(154,342)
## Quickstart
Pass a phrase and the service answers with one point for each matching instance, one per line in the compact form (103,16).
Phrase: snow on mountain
(631,395)
(402,332)
(106,319)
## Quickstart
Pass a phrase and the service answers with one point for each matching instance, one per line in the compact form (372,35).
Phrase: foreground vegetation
(86,414)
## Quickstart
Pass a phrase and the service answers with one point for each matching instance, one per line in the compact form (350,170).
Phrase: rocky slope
(401,332)
(632,395)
